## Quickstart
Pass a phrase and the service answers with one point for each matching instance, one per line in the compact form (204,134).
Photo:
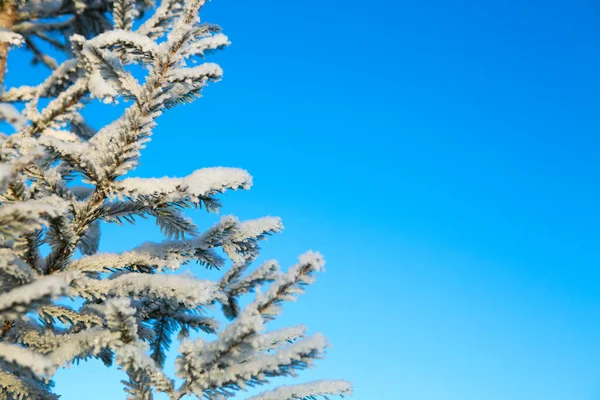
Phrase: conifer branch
(61,180)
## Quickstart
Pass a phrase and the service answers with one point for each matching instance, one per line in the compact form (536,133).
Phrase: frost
(5,172)
(273,364)
(279,338)
(11,115)
(11,265)
(11,38)
(23,388)
(61,179)
(101,261)
(17,300)
(100,88)
(126,38)
(36,363)
(200,73)
(202,183)
(189,291)
(307,390)
(257,227)
(206,44)
(26,216)
(90,341)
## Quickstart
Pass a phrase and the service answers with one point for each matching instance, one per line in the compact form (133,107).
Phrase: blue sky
(443,156)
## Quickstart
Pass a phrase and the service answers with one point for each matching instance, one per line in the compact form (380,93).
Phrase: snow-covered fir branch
(62,180)
(310,390)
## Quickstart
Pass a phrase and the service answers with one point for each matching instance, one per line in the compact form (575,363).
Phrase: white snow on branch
(268,271)
(61,135)
(130,312)
(161,20)
(11,38)
(183,26)
(41,366)
(22,388)
(25,216)
(19,299)
(87,342)
(99,262)
(187,290)
(199,354)
(281,362)
(132,358)
(108,77)
(13,266)
(307,390)
(200,184)
(100,88)
(125,39)
(67,145)
(5,172)
(11,115)
(120,316)
(242,243)
(281,337)
(313,259)
(199,73)
(288,285)
(255,228)
(209,43)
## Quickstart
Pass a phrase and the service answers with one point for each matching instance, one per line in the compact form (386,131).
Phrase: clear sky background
(443,156)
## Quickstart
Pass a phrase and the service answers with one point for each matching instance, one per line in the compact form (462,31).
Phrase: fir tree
(61,180)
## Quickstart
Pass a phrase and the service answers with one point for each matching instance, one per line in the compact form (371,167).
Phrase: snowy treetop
(62,179)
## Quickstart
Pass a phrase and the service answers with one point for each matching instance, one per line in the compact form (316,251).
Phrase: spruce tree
(61,181)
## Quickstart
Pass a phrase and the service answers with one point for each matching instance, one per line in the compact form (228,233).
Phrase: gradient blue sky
(444,158)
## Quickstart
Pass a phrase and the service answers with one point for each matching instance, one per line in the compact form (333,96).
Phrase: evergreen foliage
(129,309)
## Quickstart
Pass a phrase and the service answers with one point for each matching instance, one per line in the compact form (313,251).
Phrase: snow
(301,391)
(13,266)
(257,227)
(269,270)
(89,341)
(11,115)
(156,25)
(241,245)
(186,290)
(261,364)
(200,73)
(17,300)
(183,25)
(289,284)
(132,357)
(5,172)
(127,39)
(314,259)
(38,364)
(125,292)
(124,12)
(11,38)
(120,316)
(279,338)
(99,87)
(52,206)
(63,74)
(22,388)
(199,184)
(199,355)
(61,135)
(213,42)
(99,262)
